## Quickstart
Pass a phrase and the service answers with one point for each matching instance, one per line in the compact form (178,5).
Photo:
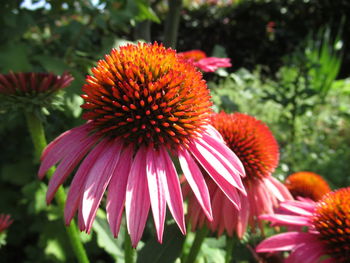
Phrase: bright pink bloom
(144,106)
(256,147)
(5,222)
(207,64)
(327,238)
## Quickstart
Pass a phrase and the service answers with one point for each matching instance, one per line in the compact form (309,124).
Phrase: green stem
(172,23)
(229,249)
(129,251)
(196,245)
(37,134)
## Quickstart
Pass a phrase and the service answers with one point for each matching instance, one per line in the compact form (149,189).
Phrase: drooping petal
(196,181)
(76,188)
(243,217)
(137,201)
(117,190)
(173,190)
(58,148)
(284,242)
(228,155)
(97,180)
(78,150)
(278,189)
(212,132)
(212,162)
(287,220)
(156,174)
(292,208)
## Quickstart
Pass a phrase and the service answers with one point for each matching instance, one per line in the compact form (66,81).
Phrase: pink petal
(278,189)
(210,64)
(212,132)
(117,190)
(67,165)
(306,252)
(228,156)
(212,162)
(173,190)
(76,188)
(156,174)
(97,180)
(287,220)
(196,181)
(284,242)
(137,202)
(291,207)
(58,149)
(243,216)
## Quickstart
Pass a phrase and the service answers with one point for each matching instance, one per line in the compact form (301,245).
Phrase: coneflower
(327,238)
(307,184)
(144,105)
(5,222)
(207,64)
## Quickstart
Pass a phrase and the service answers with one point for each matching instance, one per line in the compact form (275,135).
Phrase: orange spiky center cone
(251,140)
(147,94)
(332,221)
(307,184)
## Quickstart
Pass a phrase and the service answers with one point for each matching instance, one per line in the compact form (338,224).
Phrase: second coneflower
(207,64)
(143,105)
(257,148)
(323,229)
(307,185)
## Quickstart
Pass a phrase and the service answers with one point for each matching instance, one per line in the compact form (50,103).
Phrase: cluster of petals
(32,83)
(5,222)
(327,234)
(207,64)
(137,174)
(307,184)
(251,140)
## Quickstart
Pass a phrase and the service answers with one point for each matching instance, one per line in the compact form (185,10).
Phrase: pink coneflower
(34,88)
(307,184)
(256,147)
(5,222)
(327,238)
(144,106)
(207,64)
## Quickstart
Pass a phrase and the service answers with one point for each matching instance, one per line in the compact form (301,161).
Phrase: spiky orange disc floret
(307,184)
(194,55)
(332,220)
(32,83)
(147,94)
(251,140)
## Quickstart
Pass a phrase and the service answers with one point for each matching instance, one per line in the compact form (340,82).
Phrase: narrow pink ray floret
(144,107)
(327,237)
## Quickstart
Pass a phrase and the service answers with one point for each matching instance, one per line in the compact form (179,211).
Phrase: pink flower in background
(144,106)
(207,64)
(32,83)
(256,147)
(5,222)
(327,238)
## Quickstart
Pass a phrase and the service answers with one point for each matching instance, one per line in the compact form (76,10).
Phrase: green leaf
(19,173)
(54,248)
(105,238)
(34,194)
(52,64)
(14,57)
(168,251)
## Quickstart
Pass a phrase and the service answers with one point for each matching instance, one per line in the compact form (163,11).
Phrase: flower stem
(196,245)
(229,248)
(129,252)
(172,23)
(37,134)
